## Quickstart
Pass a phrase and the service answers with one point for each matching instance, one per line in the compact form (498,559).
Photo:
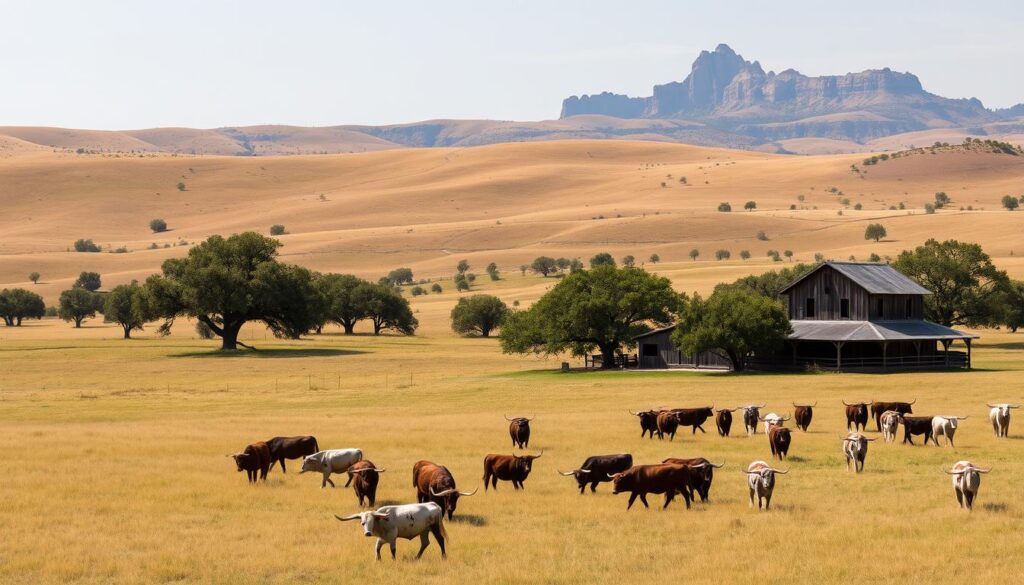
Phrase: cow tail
(316,446)
(440,525)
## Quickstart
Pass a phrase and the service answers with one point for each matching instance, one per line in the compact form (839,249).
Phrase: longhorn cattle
(434,483)
(519,430)
(779,439)
(723,421)
(597,468)
(751,414)
(879,408)
(966,481)
(508,468)
(945,426)
(917,425)
(408,521)
(282,448)
(648,421)
(890,424)
(702,472)
(641,480)
(330,461)
(771,419)
(1000,417)
(855,447)
(254,460)
(366,477)
(668,423)
(761,481)
(802,414)
(856,416)
(694,417)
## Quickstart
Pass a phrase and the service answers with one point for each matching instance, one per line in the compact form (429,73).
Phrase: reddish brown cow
(641,480)
(802,414)
(723,420)
(648,421)
(255,461)
(668,423)
(879,408)
(508,468)
(434,483)
(702,472)
(519,430)
(366,477)
(779,439)
(856,416)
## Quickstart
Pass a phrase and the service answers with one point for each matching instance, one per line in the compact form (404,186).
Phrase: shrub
(181,186)
(745,254)
(929,208)
(762,236)
(774,255)
(84,245)
(750,205)
(724,207)
(874,258)
(654,259)
(819,257)
(461,283)
(417,291)
(523,268)
(436,288)
(941,199)
(470,277)
(858,207)
(158,225)
(492,271)
(277,230)
(628,261)
(1010,202)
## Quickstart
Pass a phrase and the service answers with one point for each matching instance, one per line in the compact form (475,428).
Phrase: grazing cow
(945,426)
(694,417)
(254,460)
(702,472)
(408,521)
(330,461)
(282,448)
(855,447)
(597,468)
(723,420)
(779,439)
(880,408)
(917,425)
(648,421)
(856,416)
(1000,417)
(966,481)
(803,413)
(890,424)
(668,422)
(751,414)
(761,481)
(508,468)
(771,419)
(434,483)
(519,430)
(366,477)
(641,480)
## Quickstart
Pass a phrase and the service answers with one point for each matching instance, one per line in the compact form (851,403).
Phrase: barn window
(810,308)
(844,308)
(649,350)
(910,307)
(878,307)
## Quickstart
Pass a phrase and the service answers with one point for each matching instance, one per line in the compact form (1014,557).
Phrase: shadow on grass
(298,352)
(471,519)
(995,507)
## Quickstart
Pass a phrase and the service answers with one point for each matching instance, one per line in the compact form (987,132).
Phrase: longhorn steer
(282,448)
(751,414)
(668,423)
(761,481)
(641,480)
(366,477)
(254,460)
(694,417)
(508,468)
(771,419)
(434,483)
(648,421)
(1000,417)
(855,447)
(856,416)
(702,472)
(390,523)
(966,481)
(879,408)
(331,461)
(779,439)
(519,430)
(918,425)
(890,424)
(597,468)
(802,414)
(723,421)
(945,426)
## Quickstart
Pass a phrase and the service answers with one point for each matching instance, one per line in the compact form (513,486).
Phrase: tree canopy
(90,281)
(602,259)
(400,276)
(17,304)
(339,299)
(874,231)
(604,308)
(128,306)
(769,284)
(78,304)
(478,314)
(544,265)
(386,308)
(1013,306)
(157,225)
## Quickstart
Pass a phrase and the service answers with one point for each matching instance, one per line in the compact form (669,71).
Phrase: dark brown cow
(648,421)
(366,477)
(667,424)
(702,472)
(597,468)
(918,425)
(856,416)
(641,480)
(879,408)
(779,439)
(723,420)
(282,448)
(434,483)
(512,468)
(519,430)
(255,461)
(694,417)
(802,414)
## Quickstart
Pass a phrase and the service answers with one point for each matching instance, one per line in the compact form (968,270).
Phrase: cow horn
(719,466)
(610,476)
(980,470)
(960,417)
(782,471)
(1013,406)
(507,418)
(467,494)
(951,472)
(748,472)
(565,473)
(846,404)
(538,456)
(785,418)
(443,493)
(912,401)
(637,413)
(532,417)
(991,405)
(873,439)
(584,470)
(698,465)
(347,518)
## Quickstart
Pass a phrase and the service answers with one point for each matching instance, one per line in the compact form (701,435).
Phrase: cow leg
(701,430)
(970,499)
(632,498)
(959,497)
(424,543)
(752,497)
(669,496)
(283,468)
(593,487)
(643,499)
(380,545)
(349,482)
(767,501)
(439,537)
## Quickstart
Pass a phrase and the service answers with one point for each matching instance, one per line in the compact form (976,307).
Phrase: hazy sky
(137,64)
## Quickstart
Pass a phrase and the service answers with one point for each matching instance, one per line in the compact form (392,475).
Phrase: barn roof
(655,331)
(873,331)
(878,279)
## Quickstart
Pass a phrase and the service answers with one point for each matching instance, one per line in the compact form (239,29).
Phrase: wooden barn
(856,316)
(655,350)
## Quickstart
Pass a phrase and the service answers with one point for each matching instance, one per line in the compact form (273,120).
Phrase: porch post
(839,354)
(885,360)
(968,342)
(945,351)
(794,351)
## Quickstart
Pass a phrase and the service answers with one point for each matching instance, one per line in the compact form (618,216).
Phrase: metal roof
(811,330)
(878,279)
(656,331)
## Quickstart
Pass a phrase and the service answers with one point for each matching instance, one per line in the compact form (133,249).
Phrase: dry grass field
(113,451)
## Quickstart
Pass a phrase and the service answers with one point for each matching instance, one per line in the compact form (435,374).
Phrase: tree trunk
(736,359)
(229,334)
(376,326)
(608,356)
(127,331)
(319,329)
(349,326)
(18,322)
(485,332)
(78,322)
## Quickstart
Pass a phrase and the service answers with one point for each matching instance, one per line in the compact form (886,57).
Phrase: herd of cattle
(438,496)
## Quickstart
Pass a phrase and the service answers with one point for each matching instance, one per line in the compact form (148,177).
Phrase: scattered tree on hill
(128,306)
(563,263)
(470,277)
(340,305)
(732,322)
(819,257)
(602,259)
(523,268)
(181,186)
(386,308)
(769,284)
(745,254)
(492,271)
(875,231)
(90,281)
(436,288)
(400,276)
(929,208)
(1010,202)
(722,254)
(604,308)
(654,259)
(78,304)
(941,199)
(34,277)
(788,254)
(874,258)
(17,304)
(277,230)
(157,225)
(750,205)
(478,314)
(694,253)
(461,282)
(724,206)
(628,261)
(761,235)
(84,245)
(774,255)
(462,266)
(417,291)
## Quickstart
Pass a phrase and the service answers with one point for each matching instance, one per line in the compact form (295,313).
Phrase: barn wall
(668,355)
(827,287)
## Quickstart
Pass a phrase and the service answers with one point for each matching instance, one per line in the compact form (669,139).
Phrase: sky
(138,64)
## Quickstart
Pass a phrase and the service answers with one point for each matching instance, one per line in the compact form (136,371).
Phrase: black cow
(918,425)
(694,417)
(648,421)
(282,448)
(879,408)
(751,415)
(519,430)
(598,468)
(702,472)
(856,416)
(723,421)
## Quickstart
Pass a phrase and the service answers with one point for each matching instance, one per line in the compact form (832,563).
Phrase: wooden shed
(656,351)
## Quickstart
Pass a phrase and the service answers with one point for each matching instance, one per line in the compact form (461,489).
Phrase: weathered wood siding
(658,352)
(828,288)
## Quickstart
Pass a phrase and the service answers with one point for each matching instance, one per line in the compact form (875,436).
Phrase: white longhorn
(855,447)
(890,421)
(761,481)
(945,426)
(966,481)
(408,521)
(331,461)
(1000,417)
(771,419)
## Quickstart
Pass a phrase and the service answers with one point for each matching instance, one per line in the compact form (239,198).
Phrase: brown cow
(282,448)
(802,414)
(648,421)
(434,483)
(856,416)
(723,420)
(694,417)
(366,477)
(254,460)
(508,468)
(519,430)
(702,472)
(667,424)
(879,408)
(641,480)
(779,439)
